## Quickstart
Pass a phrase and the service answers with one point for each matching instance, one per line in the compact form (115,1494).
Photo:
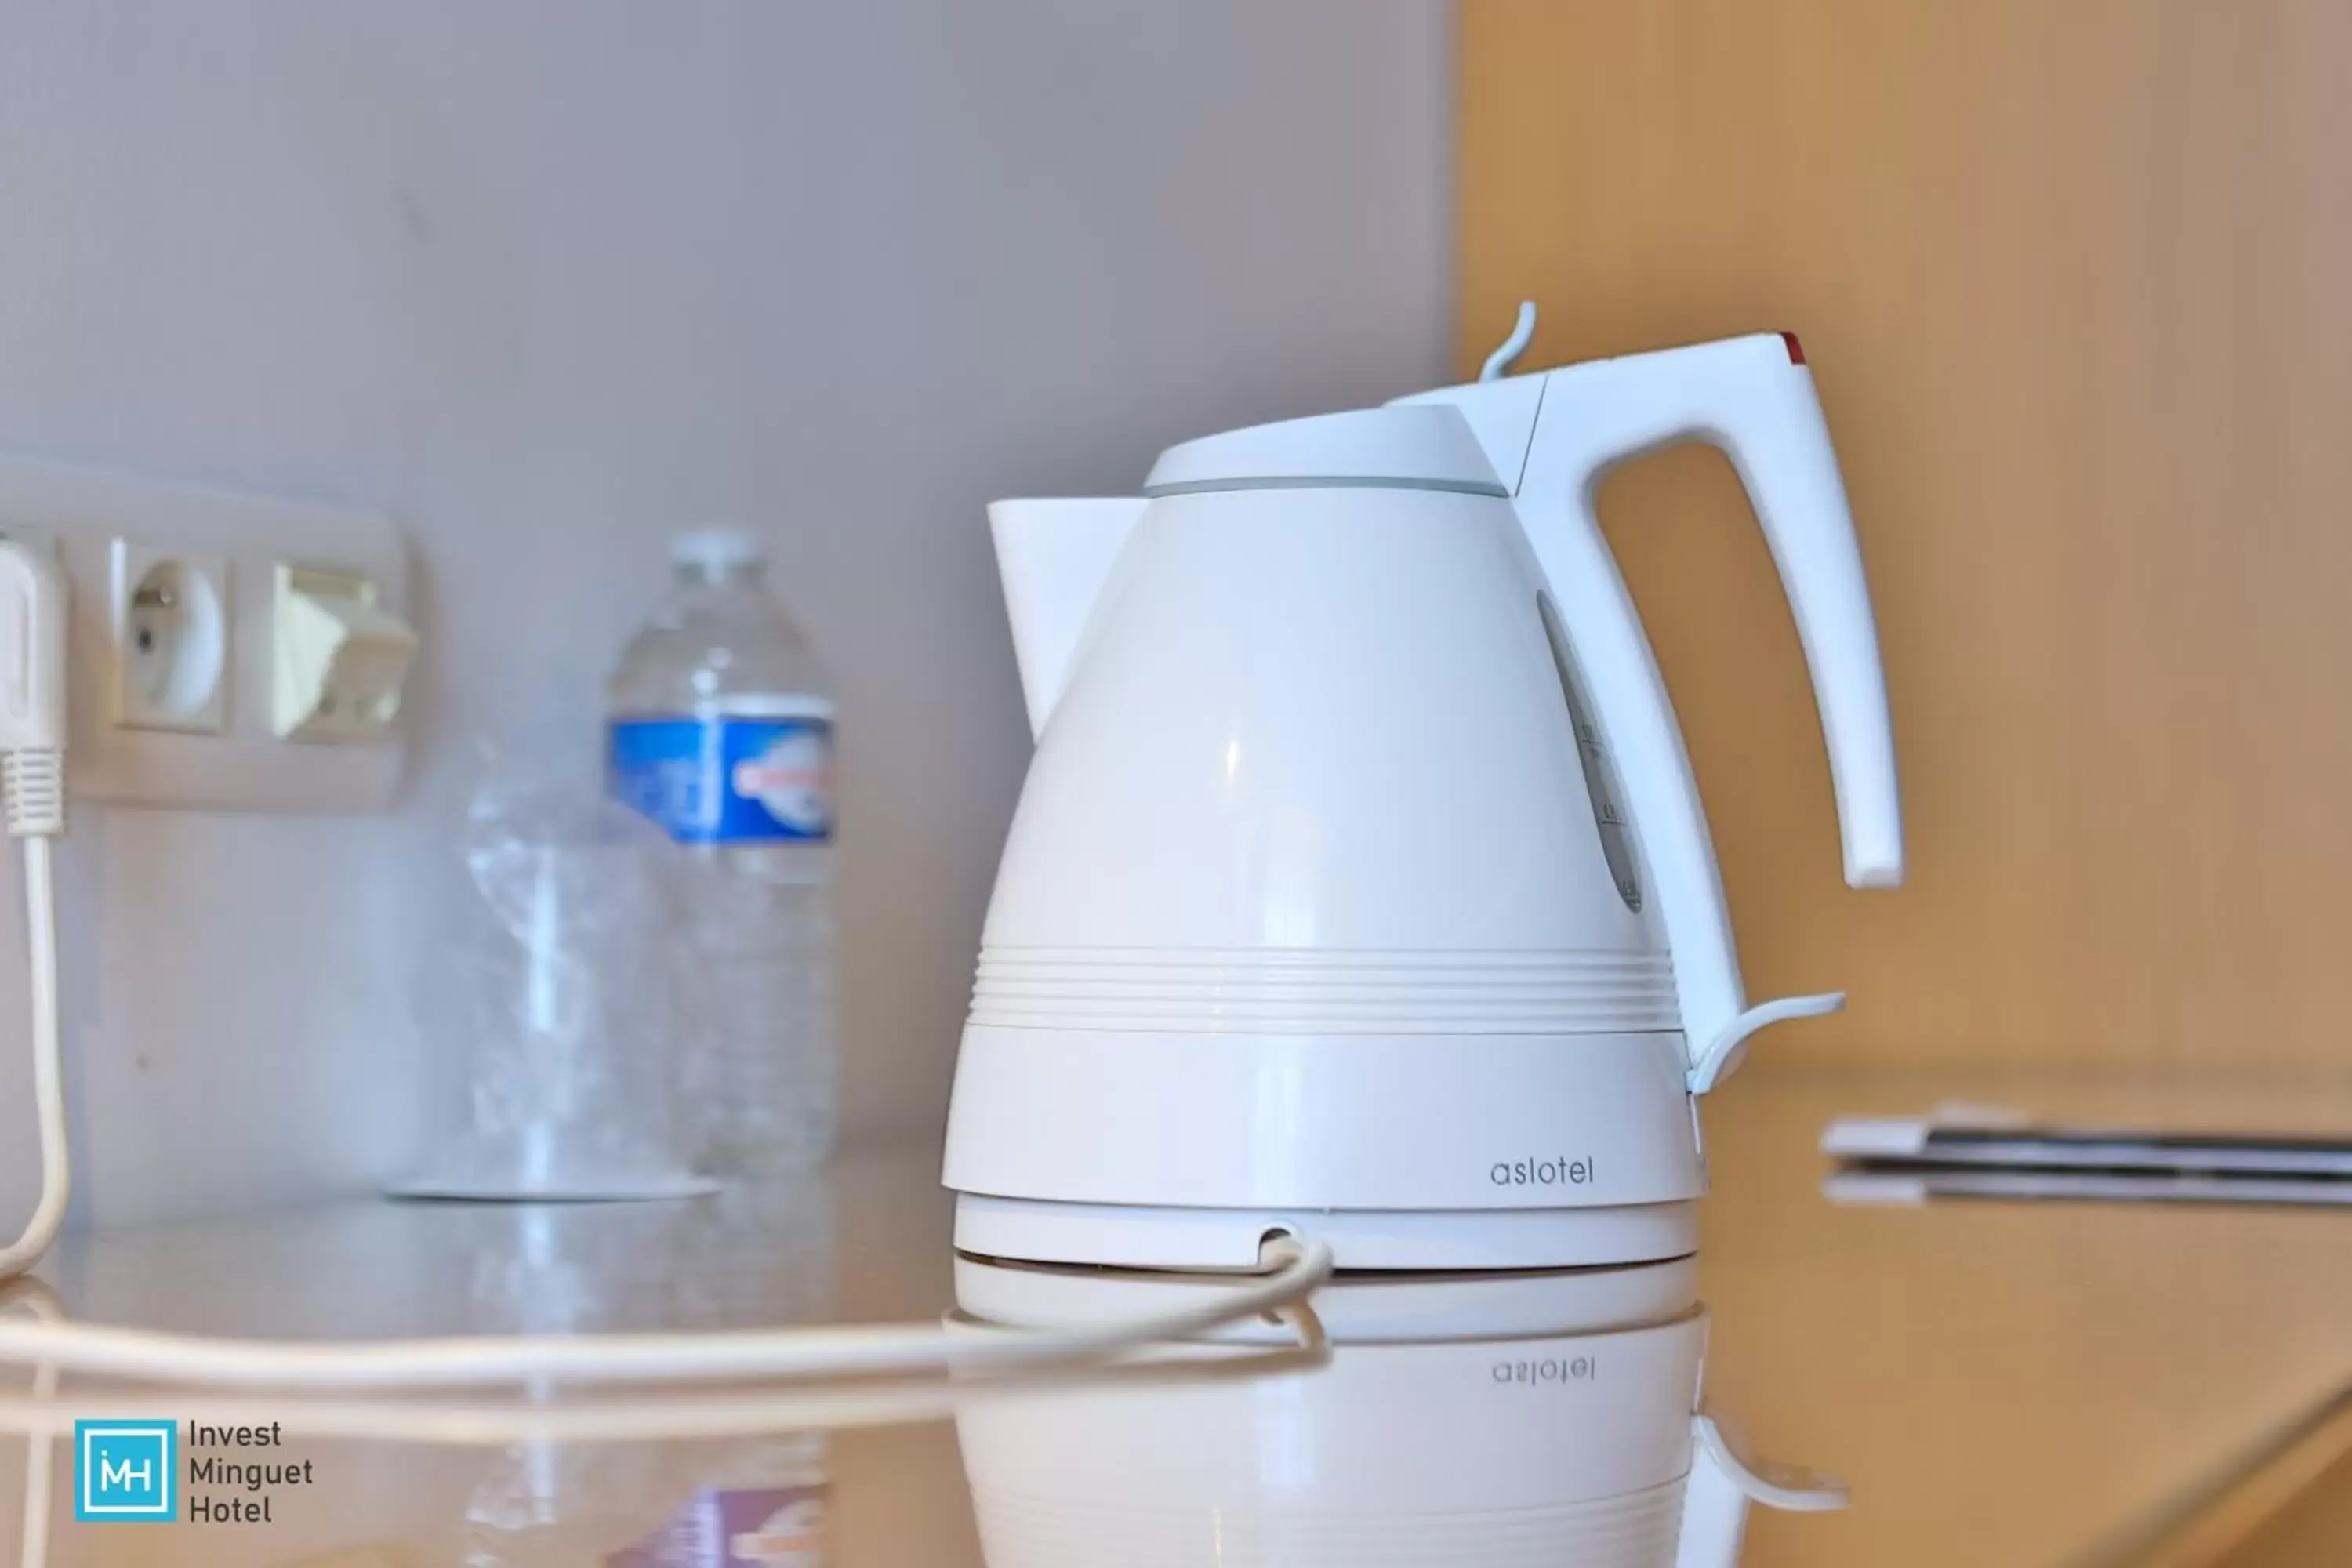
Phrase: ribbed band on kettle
(1281,991)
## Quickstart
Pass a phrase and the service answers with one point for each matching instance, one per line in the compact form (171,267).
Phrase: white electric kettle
(1502,1421)
(1359,886)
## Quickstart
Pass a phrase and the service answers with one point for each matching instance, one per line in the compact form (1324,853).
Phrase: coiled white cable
(32,735)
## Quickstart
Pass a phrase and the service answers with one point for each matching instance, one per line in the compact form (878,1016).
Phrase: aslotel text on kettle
(1559,1172)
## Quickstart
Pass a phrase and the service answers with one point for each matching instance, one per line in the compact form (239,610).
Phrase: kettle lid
(1426,447)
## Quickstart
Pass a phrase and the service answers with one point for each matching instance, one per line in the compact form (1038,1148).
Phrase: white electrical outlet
(171,626)
(172,643)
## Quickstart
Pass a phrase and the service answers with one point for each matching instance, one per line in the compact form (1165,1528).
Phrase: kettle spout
(1054,556)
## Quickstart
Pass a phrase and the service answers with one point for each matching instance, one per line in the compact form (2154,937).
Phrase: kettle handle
(1753,397)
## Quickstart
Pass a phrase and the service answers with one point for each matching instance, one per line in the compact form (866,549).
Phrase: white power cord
(740,1356)
(635,1416)
(48,1082)
(32,770)
(32,737)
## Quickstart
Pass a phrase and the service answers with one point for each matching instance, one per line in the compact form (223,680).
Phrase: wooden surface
(2314,1526)
(2292,1496)
(2032,1385)
(2074,280)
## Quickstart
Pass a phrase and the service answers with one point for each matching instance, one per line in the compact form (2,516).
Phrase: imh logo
(123,1471)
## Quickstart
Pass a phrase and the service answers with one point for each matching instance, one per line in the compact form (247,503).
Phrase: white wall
(541,279)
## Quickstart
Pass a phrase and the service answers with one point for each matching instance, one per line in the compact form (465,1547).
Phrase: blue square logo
(122,1471)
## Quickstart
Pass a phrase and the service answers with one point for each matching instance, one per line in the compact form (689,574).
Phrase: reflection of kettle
(1359,884)
(1528,1419)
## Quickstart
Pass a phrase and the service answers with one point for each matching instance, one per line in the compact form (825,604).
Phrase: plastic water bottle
(720,729)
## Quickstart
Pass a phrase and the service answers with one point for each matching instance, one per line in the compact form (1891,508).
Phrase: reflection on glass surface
(1548,1419)
(34,1299)
(556,1505)
(534,1477)
(1465,1421)
(684,1504)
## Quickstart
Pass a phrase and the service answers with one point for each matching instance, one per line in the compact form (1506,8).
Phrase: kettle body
(1349,879)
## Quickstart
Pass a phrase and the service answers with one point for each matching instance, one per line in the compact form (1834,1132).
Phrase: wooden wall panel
(2075,279)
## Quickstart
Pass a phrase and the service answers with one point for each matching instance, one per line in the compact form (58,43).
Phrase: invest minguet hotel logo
(153,1472)
(123,1471)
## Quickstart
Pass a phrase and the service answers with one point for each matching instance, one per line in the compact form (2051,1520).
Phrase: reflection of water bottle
(720,729)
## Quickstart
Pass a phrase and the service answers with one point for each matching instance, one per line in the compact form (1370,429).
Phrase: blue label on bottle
(727,778)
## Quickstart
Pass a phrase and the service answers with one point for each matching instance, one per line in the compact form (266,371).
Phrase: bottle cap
(716,549)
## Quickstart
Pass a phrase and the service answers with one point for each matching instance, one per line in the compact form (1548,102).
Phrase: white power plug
(32,648)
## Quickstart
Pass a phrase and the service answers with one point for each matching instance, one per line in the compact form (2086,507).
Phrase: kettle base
(1123,1235)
